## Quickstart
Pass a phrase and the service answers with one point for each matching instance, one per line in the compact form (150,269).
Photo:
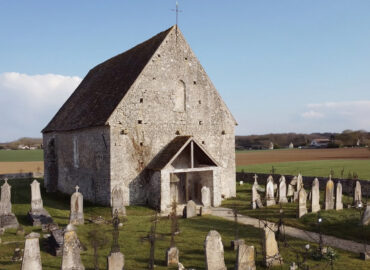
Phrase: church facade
(149,121)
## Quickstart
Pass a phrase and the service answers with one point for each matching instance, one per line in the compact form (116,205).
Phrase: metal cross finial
(177,10)
(77,188)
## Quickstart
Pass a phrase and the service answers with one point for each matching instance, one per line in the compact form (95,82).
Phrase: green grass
(343,224)
(313,168)
(132,237)
(21,155)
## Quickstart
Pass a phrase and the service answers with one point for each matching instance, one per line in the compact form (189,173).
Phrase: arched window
(179,97)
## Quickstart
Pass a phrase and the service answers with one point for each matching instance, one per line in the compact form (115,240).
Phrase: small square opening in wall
(159,55)
(186,58)
(194,82)
(177,132)
(200,122)
(223,132)
(140,121)
(200,102)
(123,132)
(141,100)
(203,142)
(141,143)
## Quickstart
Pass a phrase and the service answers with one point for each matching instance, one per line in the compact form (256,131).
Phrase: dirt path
(332,241)
(21,167)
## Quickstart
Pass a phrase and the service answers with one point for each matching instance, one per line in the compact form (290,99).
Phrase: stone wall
(83,159)
(22,175)
(347,184)
(172,96)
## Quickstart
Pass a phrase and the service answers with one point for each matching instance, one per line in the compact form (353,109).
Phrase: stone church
(148,121)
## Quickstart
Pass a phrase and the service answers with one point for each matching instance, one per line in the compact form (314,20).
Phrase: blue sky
(281,66)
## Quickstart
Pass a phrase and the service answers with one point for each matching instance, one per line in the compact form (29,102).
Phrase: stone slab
(8,221)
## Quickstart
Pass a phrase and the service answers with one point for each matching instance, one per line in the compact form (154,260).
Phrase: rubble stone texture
(315,196)
(7,218)
(77,214)
(118,201)
(71,250)
(338,197)
(128,120)
(172,256)
(302,202)
(270,250)
(116,261)
(270,199)
(245,258)
(214,252)
(31,255)
(329,195)
(282,190)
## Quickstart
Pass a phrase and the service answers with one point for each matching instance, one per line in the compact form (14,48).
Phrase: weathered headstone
(245,258)
(315,196)
(206,196)
(357,195)
(71,250)
(366,216)
(55,240)
(31,256)
(338,197)
(271,255)
(116,259)
(38,215)
(76,216)
(282,190)
(214,252)
(256,198)
(7,218)
(190,209)
(302,202)
(299,182)
(270,199)
(172,256)
(329,195)
(118,202)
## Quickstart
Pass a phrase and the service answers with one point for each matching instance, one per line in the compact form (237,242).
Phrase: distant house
(23,147)
(271,146)
(291,145)
(320,143)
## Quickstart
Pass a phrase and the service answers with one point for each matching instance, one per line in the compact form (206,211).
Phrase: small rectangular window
(140,121)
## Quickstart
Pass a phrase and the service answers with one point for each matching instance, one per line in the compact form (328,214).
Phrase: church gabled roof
(104,87)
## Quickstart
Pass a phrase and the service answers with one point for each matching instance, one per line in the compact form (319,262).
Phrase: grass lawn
(314,168)
(132,237)
(343,224)
(21,155)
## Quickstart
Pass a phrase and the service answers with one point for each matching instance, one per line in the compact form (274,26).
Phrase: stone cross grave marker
(214,252)
(357,196)
(302,202)
(338,197)
(271,255)
(77,212)
(31,256)
(282,190)
(270,199)
(71,250)
(315,196)
(245,258)
(118,202)
(7,218)
(329,194)
(116,260)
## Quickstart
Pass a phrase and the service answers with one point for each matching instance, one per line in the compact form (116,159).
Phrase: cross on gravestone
(255,178)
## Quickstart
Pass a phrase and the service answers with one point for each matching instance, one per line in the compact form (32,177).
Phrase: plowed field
(21,167)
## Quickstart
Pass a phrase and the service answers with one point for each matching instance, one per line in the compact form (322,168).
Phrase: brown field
(285,155)
(24,167)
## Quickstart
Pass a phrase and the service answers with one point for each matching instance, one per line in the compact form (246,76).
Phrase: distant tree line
(348,138)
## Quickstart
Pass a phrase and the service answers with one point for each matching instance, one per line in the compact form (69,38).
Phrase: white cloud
(28,102)
(312,114)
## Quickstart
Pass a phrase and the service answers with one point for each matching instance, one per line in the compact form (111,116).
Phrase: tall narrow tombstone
(329,194)
(38,215)
(71,250)
(302,202)
(206,201)
(366,216)
(116,260)
(338,197)
(357,196)
(245,258)
(271,255)
(256,198)
(118,202)
(299,182)
(214,252)
(31,256)
(282,190)
(315,196)
(270,199)
(76,216)
(7,218)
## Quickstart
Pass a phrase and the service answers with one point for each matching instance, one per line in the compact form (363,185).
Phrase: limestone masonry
(148,121)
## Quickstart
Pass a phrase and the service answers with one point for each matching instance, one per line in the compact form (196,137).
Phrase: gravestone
(71,250)
(55,240)
(190,209)
(302,202)
(366,216)
(214,252)
(77,212)
(357,196)
(172,256)
(38,215)
(245,258)
(118,202)
(206,196)
(7,218)
(338,197)
(270,199)
(315,196)
(255,196)
(116,260)
(299,182)
(271,255)
(329,195)
(282,190)
(31,256)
